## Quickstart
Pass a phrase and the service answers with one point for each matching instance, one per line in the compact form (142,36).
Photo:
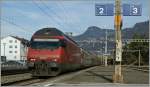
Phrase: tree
(142,46)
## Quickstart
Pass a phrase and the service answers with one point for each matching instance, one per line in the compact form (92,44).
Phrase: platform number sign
(132,10)
(108,10)
(104,9)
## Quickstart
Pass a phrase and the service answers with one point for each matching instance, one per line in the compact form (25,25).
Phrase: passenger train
(51,52)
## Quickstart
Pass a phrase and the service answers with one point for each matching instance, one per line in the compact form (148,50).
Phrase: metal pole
(93,45)
(106,49)
(105,60)
(139,58)
(102,57)
(117,76)
(106,43)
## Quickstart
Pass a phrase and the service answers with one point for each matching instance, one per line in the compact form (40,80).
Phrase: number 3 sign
(132,10)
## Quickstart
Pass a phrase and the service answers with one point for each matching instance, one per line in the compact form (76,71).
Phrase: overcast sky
(24,17)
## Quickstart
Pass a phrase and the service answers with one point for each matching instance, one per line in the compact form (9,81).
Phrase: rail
(139,68)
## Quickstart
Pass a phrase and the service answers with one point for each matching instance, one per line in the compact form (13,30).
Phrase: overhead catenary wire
(46,13)
(42,2)
(19,11)
(66,13)
(59,17)
(64,10)
(20,27)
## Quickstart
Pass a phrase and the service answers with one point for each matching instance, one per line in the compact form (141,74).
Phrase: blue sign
(104,9)
(132,10)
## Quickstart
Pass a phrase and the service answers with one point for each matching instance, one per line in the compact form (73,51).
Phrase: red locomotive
(52,52)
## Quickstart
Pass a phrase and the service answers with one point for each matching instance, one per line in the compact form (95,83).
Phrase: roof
(48,32)
(51,32)
(22,40)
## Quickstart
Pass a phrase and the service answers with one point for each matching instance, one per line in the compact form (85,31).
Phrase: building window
(16,46)
(15,41)
(10,41)
(15,51)
(10,51)
(10,46)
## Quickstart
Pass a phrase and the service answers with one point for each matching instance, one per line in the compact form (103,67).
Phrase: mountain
(96,33)
(93,32)
(141,28)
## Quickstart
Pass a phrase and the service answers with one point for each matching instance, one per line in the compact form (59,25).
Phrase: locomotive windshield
(45,45)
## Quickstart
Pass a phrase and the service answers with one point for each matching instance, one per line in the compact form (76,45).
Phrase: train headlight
(54,56)
(33,59)
(55,60)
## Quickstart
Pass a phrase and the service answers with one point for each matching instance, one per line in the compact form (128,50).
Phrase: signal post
(117,76)
(108,10)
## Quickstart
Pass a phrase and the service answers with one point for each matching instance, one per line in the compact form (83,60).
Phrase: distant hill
(141,28)
(94,33)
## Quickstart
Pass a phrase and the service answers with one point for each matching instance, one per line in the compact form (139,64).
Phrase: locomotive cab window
(47,44)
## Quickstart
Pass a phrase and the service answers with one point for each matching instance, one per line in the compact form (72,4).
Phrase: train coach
(51,52)
(88,59)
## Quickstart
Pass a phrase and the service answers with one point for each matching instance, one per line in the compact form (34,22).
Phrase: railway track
(24,82)
(141,68)
(13,72)
(10,80)
(34,80)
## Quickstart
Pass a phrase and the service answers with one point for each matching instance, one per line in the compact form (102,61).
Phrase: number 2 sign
(104,9)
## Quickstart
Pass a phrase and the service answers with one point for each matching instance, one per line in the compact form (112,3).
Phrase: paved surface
(104,75)
(95,76)
(132,76)
(99,75)
(98,85)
